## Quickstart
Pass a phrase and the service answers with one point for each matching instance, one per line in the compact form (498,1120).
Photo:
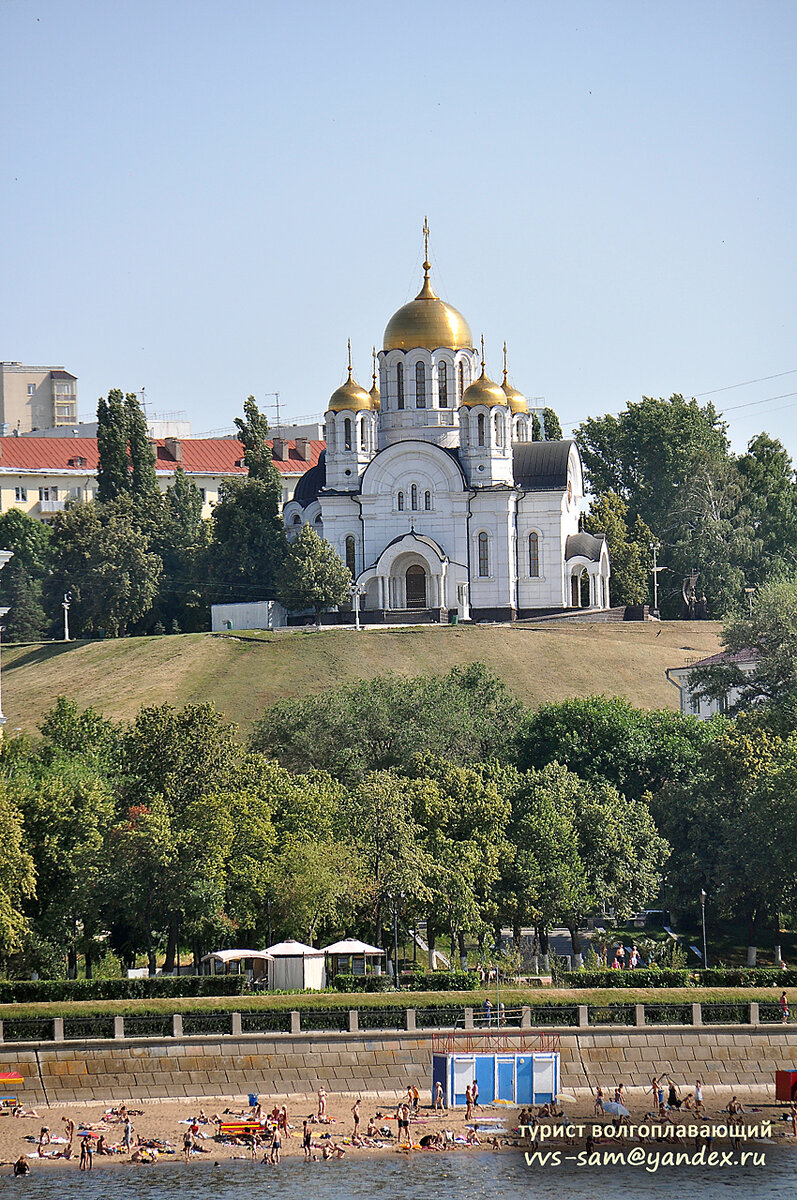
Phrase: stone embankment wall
(384,1062)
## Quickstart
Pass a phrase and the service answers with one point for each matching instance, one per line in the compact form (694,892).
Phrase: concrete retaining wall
(385,1063)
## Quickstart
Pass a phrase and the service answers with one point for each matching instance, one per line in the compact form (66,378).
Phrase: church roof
(541,466)
(311,482)
(584,545)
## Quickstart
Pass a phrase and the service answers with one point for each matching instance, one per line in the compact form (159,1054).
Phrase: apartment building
(34,398)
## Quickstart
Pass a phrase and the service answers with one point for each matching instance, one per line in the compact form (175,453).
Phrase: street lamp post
(703,914)
(655,547)
(65,603)
(356,592)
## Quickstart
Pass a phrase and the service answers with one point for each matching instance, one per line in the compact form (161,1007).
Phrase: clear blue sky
(207,199)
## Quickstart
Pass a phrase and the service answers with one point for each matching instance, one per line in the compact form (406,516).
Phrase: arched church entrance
(416,586)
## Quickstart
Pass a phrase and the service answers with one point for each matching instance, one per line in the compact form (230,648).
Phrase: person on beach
(127,1139)
(403,1123)
(474,1091)
(69,1129)
(282,1120)
(44,1136)
(439,1097)
(307,1141)
(188,1144)
(21,1167)
(355,1112)
(793,1117)
(468,1103)
(673,1099)
(276,1146)
(699,1109)
(322,1104)
(654,1091)
(599,1110)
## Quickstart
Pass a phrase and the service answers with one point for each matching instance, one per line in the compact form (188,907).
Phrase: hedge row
(445,981)
(31,991)
(641,977)
(360,983)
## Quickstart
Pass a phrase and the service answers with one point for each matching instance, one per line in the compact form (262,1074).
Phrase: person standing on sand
(276,1146)
(468,1103)
(188,1143)
(439,1097)
(307,1142)
(404,1123)
(128,1134)
(355,1112)
(322,1104)
(474,1091)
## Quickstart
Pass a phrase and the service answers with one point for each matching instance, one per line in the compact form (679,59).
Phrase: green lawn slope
(242,674)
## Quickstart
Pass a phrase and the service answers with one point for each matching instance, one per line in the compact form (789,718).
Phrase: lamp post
(65,603)
(703,914)
(655,547)
(356,592)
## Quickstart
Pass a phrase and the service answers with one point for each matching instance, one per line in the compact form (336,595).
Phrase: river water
(424,1177)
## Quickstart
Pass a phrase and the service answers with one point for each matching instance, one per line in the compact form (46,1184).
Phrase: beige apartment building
(36,398)
(39,475)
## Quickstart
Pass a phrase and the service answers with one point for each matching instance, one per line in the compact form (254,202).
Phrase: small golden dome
(350,397)
(483,391)
(517,401)
(376,399)
(427,322)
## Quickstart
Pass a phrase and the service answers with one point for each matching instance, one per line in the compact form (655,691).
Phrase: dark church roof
(311,482)
(541,466)
(584,545)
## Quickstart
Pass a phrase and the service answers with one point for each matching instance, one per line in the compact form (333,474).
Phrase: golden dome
(376,399)
(427,323)
(350,397)
(517,401)
(483,391)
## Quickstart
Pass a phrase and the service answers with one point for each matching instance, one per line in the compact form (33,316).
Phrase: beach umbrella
(613,1109)
(566,1097)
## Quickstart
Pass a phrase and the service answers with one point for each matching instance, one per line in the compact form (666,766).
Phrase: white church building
(434,494)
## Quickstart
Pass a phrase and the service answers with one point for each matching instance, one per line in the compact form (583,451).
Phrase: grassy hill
(242,674)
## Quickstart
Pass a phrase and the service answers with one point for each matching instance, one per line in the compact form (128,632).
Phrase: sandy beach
(167,1122)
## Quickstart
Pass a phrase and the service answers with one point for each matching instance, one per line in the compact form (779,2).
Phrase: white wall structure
(696,706)
(432,493)
(295,966)
(260,614)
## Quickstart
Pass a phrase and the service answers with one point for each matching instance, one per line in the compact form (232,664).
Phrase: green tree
(182,541)
(17,875)
(248,545)
(606,739)
(466,716)
(103,557)
(767,483)
(112,472)
(29,540)
(143,481)
(313,575)
(553,429)
(629,549)
(26,621)
(253,434)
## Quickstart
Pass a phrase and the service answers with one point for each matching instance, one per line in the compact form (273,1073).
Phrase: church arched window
(400,502)
(461,380)
(484,554)
(400,384)
(442,385)
(351,554)
(534,555)
(363,434)
(499,429)
(413,497)
(347,433)
(427,500)
(420,385)
(481,429)
(319,525)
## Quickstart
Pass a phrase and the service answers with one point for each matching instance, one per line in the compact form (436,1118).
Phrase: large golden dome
(427,322)
(350,397)
(483,391)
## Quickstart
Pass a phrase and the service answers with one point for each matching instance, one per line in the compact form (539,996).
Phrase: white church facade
(434,494)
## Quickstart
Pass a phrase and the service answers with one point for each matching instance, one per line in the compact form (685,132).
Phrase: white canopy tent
(296,966)
(253,962)
(353,957)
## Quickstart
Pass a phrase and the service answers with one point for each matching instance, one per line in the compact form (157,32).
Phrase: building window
(484,555)
(427,500)
(480,424)
(461,380)
(48,493)
(31,389)
(400,384)
(413,497)
(363,434)
(347,433)
(350,554)
(534,555)
(420,385)
(20,493)
(724,703)
(401,502)
(442,385)
(499,429)
(202,494)
(694,704)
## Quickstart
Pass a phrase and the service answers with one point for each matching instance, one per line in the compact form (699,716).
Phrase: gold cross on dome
(426,237)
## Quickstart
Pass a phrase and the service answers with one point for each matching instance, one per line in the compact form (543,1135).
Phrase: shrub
(30,991)
(640,977)
(445,981)
(746,977)
(362,983)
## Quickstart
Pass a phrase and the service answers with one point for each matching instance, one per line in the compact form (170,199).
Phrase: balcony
(50,506)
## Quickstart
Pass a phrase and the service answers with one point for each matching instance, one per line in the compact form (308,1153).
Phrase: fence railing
(391,1018)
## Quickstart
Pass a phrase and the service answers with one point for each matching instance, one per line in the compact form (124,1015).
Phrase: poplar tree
(112,471)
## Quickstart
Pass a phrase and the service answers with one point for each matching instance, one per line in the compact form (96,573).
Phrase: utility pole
(65,603)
